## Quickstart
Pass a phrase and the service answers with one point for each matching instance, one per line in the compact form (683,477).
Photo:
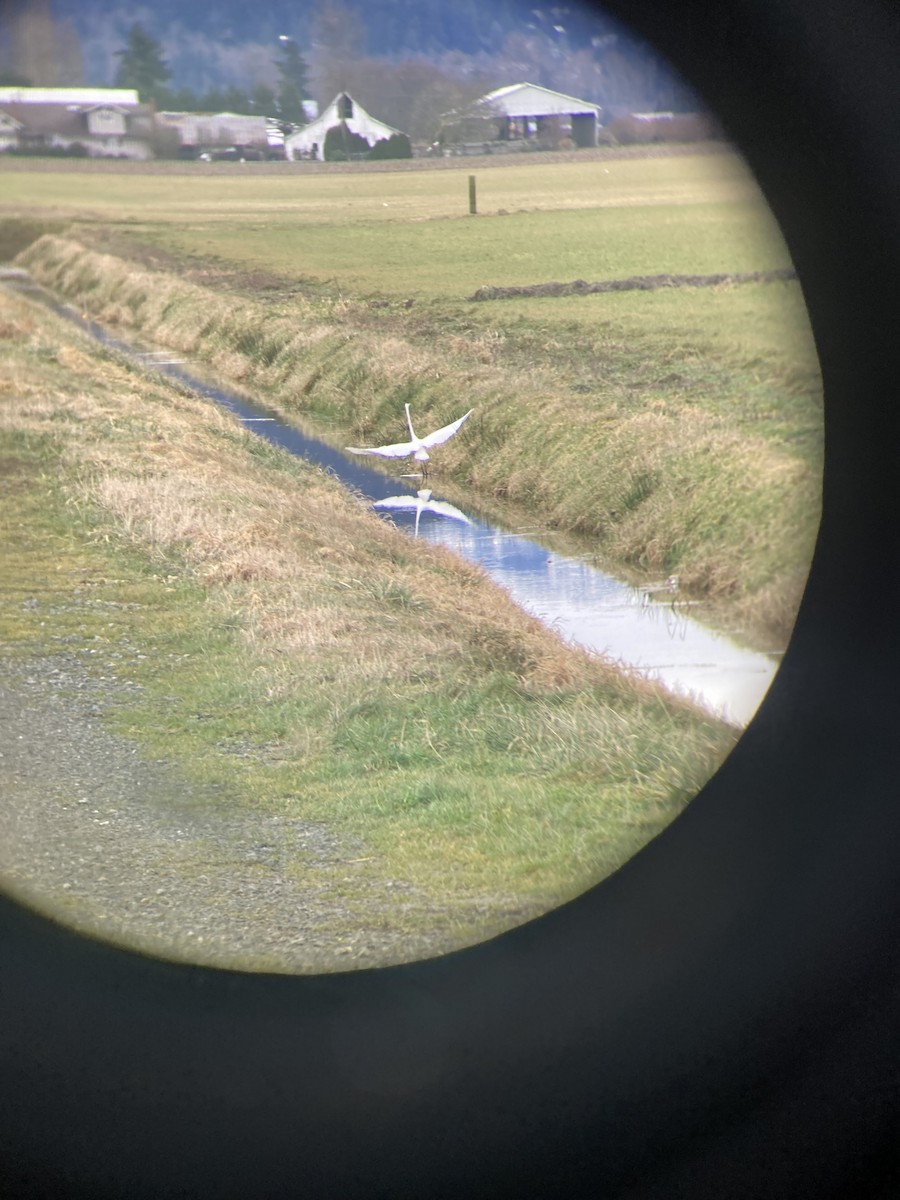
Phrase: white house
(309,142)
(98,128)
(10,129)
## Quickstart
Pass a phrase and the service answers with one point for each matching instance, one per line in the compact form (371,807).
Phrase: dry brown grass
(311,567)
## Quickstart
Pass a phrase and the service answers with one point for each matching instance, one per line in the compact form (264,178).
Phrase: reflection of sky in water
(581,603)
(588,607)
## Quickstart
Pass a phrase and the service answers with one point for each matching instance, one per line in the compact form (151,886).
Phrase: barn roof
(46,118)
(80,96)
(360,122)
(532,100)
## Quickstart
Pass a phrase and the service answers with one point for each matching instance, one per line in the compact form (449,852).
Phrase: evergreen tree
(212,101)
(293,88)
(142,66)
(263,100)
(397,145)
(341,144)
(13,79)
(183,100)
(236,100)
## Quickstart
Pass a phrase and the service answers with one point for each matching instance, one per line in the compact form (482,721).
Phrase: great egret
(422,502)
(653,589)
(416,447)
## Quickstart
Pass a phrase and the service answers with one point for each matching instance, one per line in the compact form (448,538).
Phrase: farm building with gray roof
(523,116)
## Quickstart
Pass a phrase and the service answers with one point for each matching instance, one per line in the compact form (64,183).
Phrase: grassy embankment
(307,658)
(679,430)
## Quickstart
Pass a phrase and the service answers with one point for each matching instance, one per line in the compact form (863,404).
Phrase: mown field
(403,233)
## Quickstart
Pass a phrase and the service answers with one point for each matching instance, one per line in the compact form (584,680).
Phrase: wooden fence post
(472,209)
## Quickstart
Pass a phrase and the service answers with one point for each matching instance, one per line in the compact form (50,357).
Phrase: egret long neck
(409,424)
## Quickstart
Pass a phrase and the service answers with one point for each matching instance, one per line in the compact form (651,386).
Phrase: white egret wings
(444,435)
(417,447)
(397,450)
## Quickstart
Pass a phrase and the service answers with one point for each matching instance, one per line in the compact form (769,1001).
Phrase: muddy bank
(115,166)
(637,283)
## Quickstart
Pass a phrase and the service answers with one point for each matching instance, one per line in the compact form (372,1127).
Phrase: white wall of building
(310,140)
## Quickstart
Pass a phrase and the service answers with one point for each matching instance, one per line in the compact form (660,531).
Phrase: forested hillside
(406,27)
(406,61)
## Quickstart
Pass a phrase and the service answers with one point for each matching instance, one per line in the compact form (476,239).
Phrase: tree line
(142,66)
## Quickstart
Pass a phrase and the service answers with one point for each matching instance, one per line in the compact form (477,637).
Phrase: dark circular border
(719,1019)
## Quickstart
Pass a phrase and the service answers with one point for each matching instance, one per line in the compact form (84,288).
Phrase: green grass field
(156,193)
(409,232)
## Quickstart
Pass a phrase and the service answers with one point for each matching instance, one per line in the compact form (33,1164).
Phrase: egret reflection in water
(422,502)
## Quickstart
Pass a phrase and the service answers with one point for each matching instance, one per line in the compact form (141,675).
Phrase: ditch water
(648,630)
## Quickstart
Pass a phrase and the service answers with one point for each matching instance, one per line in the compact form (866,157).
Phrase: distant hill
(214,44)
(392,27)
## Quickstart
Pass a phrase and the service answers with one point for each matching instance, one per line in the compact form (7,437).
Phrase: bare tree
(42,49)
(428,94)
(629,80)
(338,40)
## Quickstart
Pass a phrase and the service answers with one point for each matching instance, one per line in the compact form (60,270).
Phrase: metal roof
(361,122)
(47,118)
(532,100)
(81,96)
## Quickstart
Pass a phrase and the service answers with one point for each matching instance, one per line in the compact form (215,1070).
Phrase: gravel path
(127,849)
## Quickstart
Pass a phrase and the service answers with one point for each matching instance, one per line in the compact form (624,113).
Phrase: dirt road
(126,849)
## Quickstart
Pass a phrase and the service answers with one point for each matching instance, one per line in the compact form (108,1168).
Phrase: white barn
(309,142)
(523,113)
